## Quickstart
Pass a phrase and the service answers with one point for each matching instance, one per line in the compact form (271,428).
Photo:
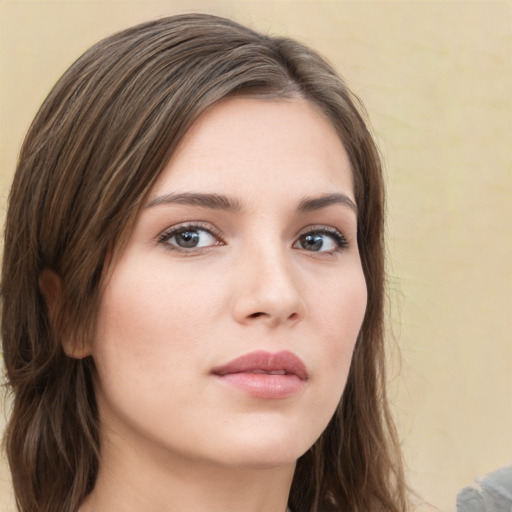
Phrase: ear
(50,285)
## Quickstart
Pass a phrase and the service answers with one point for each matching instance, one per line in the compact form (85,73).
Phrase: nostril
(256,315)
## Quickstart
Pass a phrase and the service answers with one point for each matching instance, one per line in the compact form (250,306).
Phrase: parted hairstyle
(92,154)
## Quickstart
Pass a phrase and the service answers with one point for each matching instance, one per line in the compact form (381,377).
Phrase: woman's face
(226,328)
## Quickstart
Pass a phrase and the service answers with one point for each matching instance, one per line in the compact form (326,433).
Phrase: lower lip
(263,385)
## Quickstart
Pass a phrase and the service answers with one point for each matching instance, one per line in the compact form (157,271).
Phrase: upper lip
(283,361)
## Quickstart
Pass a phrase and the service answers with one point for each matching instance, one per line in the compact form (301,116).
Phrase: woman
(193,283)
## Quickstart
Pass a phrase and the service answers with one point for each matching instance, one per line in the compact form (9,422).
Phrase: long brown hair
(92,154)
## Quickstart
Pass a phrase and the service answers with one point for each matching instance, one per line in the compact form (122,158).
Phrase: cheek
(151,331)
(340,311)
(340,304)
(155,304)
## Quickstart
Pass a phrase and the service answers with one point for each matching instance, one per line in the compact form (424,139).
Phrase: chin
(267,447)
(270,459)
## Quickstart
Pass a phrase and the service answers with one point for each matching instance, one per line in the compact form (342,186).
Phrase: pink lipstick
(265,375)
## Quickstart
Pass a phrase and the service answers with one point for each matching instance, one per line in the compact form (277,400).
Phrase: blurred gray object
(492,493)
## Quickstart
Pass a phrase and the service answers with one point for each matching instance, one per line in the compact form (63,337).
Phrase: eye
(323,239)
(189,237)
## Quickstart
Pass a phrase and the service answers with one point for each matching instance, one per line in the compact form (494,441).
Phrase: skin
(174,436)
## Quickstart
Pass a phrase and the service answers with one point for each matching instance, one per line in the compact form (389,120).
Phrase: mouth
(264,375)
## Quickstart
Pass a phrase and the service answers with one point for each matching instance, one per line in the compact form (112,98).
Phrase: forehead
(260,146)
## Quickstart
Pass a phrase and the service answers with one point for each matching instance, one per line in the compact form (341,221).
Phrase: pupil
(188,239)
(312,242)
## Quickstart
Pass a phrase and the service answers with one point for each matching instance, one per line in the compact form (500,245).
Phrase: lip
(264,375)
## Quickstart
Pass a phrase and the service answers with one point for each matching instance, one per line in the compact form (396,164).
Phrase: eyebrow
(222,202)
(310,204)
(212,201)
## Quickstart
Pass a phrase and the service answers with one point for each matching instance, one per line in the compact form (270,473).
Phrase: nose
(267,291)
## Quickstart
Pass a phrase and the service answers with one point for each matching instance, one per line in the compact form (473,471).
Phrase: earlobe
(50,285)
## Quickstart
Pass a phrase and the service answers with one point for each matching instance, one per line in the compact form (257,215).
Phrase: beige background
(436,78)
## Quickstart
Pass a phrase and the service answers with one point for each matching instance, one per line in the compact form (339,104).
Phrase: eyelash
(336,235)
(181,228)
